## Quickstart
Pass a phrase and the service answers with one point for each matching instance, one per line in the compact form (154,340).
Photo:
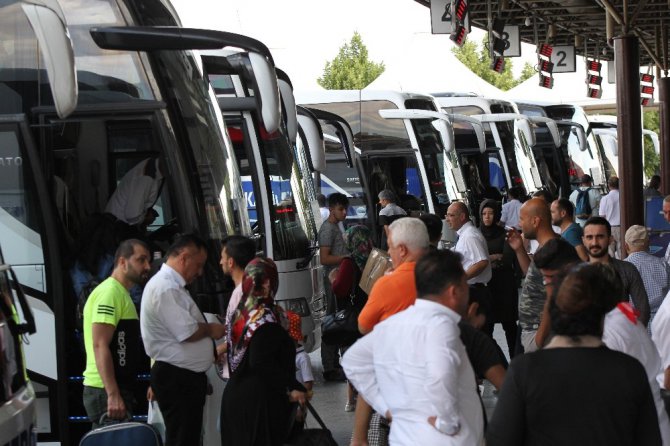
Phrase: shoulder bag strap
(316,415)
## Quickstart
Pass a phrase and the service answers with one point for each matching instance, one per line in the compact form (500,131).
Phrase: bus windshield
(291,220)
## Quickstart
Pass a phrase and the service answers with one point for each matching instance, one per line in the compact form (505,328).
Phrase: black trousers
(181,397)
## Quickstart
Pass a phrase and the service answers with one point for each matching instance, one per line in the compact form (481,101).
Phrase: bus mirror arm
(308,258)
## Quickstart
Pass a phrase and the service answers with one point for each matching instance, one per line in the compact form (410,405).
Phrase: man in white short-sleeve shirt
(177,337)
(471,245)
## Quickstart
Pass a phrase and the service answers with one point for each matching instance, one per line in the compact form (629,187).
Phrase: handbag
(313,436)
(340,329)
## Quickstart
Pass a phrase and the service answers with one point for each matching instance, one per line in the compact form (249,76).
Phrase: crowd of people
(586,333)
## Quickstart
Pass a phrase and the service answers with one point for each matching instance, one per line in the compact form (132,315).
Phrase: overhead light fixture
(461,10)
(528,21)
(544,65)
(594,80)
(646,88)
(459,35)
(544,50)
(460,22)
(594,93)
(498,64)
(546,81)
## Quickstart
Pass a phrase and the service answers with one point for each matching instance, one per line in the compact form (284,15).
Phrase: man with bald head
(471,245)
(535,222)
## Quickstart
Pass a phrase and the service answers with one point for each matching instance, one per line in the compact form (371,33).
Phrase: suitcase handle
(105,420)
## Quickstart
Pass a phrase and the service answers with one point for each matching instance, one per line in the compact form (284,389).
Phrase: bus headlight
(298,306)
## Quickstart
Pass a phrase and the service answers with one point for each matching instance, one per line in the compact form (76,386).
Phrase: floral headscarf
(358,241)
(259,285)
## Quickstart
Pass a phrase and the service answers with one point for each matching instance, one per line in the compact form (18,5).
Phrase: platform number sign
(441,16)
(513,44)
(563,59)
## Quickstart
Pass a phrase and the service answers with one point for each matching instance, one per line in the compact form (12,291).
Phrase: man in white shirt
(413,366)
(137,192)
(510,210)
(471,245)
(609,208)
(236,252)
(623,332)
(660,334)
(177,337)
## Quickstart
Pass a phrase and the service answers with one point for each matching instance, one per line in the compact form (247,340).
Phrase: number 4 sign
(563,58)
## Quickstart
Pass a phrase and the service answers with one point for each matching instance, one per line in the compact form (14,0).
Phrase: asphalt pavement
(330,397)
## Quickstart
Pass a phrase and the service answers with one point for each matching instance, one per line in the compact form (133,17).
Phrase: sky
(303,34)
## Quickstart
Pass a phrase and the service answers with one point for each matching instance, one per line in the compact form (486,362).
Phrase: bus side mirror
(446,133)
(314,141)
(286,94)
(48,22)
(581,137)
(524,127)
(268,91)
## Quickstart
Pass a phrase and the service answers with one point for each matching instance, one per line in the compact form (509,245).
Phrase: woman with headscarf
(503,284)
(345,280)
(256,403)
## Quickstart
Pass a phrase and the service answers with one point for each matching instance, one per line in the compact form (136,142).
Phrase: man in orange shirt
(407,240)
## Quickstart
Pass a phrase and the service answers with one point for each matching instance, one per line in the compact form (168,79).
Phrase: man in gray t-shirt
(332,251)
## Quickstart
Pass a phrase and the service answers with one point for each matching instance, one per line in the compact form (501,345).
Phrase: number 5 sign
(563,58)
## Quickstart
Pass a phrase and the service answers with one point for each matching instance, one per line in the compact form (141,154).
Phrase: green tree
(652,161)
(351,69)
(477,59)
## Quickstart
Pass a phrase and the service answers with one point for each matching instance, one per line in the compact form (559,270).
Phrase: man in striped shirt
(655,272)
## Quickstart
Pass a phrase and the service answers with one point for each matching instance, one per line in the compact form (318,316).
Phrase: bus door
(31,242)
(399,172)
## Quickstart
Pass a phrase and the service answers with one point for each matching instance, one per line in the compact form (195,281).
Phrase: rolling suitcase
(123,434)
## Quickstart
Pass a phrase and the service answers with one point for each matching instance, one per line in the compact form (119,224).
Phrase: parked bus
(578,153)
(74,119)
(276,179)
(402,144)
(17,397)
(507,133)
(605,132)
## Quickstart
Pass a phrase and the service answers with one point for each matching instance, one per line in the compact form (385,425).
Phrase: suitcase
(123,434)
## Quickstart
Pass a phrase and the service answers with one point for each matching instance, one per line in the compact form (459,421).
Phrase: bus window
(20,218)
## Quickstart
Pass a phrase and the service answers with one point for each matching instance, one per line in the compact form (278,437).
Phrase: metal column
(664,121)
(629,128)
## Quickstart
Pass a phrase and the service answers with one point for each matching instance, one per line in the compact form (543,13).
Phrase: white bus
(578,153)
(402,143)
(507,133)
(276,178)
(74,118)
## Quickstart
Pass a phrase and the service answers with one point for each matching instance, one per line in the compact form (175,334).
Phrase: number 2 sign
(563,58)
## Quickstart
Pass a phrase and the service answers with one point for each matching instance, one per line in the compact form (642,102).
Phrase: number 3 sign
(563,58)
